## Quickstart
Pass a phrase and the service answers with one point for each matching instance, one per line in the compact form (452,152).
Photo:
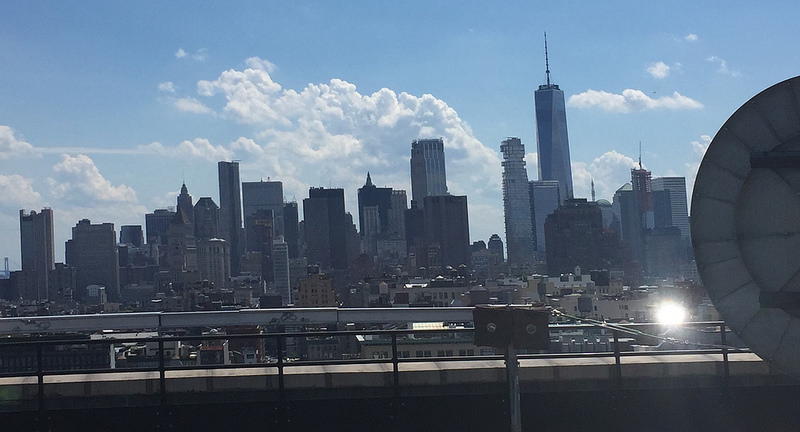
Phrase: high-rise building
(629,221)
(428,177)
(156,225)
(325,228)
(291,228)
(263,195)
(230,211)
(374,204)
(643,192)
(280,270)
(446,231)
(206,219)
(576,238)
(552,141)
(214,261)
(495,246)
(184,202)
(677,198)
(397,218)
(516,203)
(131,235)
(38,252)
(93,253)
(545,196)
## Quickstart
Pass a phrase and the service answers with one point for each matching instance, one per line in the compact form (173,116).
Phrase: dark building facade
(156,225)
(326,228)
(291,227)
(93,253)
(576,238)
(38,252)
(206,219)
(230,212)
(447,231)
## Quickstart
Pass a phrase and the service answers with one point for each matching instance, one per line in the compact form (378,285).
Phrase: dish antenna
(745,223)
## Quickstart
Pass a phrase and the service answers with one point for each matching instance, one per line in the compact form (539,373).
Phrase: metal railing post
(281,388)
(724,341)
(395,366)
(617,356)
(162,373)
(40,375)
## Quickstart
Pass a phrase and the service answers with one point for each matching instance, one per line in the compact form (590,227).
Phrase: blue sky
(107,107)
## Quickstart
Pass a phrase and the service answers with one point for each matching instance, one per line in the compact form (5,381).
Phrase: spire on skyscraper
(369,180)
(546,60)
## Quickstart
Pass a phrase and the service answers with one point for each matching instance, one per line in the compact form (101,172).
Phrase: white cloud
(722,66)
(658,70)
(338,134)
(691,37)
(190,104)
(609,171)
(18,192)
(78,178)
(198,148)
(166,87)
(199,55)
(11,146)
(631,101)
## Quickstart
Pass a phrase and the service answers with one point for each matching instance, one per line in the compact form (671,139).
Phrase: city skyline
(105,117)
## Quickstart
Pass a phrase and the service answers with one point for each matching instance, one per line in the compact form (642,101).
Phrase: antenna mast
(640,154)
(546,60)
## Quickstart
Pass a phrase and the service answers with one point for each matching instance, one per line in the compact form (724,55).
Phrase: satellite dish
(745,223)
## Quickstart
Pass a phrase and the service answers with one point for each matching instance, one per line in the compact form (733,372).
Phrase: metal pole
(512,374)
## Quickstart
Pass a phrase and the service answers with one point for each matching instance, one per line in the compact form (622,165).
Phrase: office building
(291,228)
(214,261)
(576,238)
(131,235)
(516,204)
(38,252)
(93,253)
(206,219)
(552,141)
(184,202)
(677,198)
(495,246)
(263,195)
(446,232)
(374,205)
(326,228)
(280,270)
(230,211)
(545,196)
(397,214)
(428,177)
(156,225)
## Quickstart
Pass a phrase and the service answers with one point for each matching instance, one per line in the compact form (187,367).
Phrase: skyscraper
(38,252)
(185,202)
(551,134)
(93,253)
(447,231)
(156,225)
(230,211)
(206,219)
(326,228)
(516,203)
(428,176)
(291,228)
(374,204)
(545,198)
(678,203)
(263,195)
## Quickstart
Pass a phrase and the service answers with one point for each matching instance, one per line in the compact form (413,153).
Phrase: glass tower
(516,203)
(551,135)
(428,177)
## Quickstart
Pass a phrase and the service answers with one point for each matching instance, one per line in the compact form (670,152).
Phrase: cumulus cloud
(18,192)
(198,148)
(609,171)
(166,87)
(11,146)
(330,134)
(658,70)
(190,104)
(722,66)
(691,37)
(631,101)
(78,178)
(199,55)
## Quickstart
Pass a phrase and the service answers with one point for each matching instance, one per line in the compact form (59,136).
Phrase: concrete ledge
(365,380)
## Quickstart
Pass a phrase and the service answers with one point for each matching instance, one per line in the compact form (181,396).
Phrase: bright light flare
(670,314)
